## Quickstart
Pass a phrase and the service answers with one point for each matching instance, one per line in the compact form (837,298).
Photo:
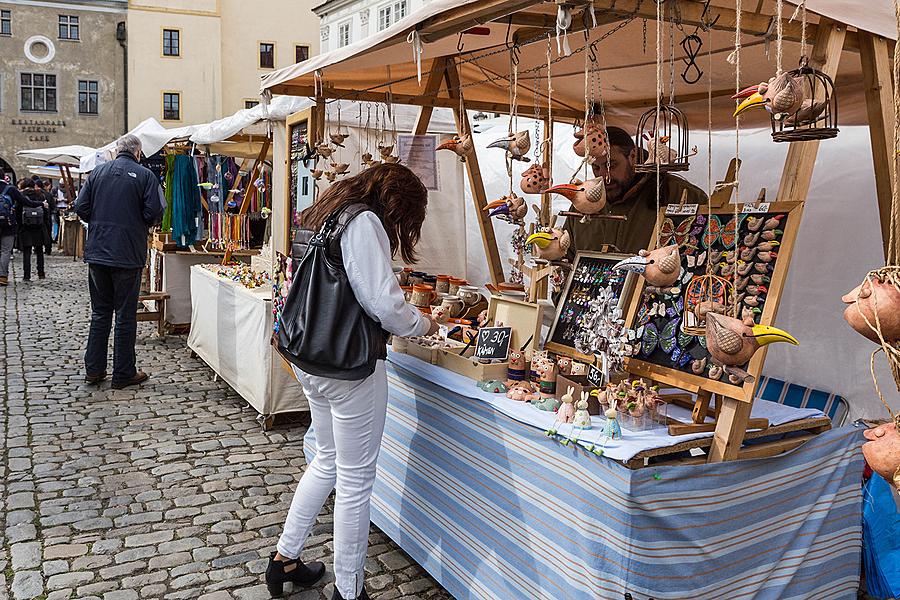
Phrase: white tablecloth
(230,330)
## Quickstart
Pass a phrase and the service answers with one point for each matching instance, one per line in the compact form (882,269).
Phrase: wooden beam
(801,157)
(432,84)
(731,425)
(722,195)
(876,65)
(476,185)
(471,14)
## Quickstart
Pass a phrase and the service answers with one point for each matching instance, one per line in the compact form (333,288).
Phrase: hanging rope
(659,93)
(737,144)
(709,175)
(779,37)
(549,134)
(893,254)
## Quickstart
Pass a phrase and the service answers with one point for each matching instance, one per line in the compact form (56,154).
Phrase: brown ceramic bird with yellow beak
(660,267)
(461,145)
(587,198)
(732,342)
(550,243)
(782,95)
(868,298)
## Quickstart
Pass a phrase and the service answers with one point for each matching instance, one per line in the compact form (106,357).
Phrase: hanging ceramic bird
(550,243)
(783,94)
(317,173)
(385,151)
(535,179)
(591,143)
(732,342)
(588,198)
(324,150)
(366,158)
(340,168)
(516,145)
(330,176)
(461,145)
(338,139)
(660,267)
(389,159)
(868,298)
(512,207)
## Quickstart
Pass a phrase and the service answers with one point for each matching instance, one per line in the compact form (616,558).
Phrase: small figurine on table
(516,370)
(582,418)
(612,430)
(548,377)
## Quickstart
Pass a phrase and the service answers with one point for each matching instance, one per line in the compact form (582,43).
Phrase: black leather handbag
(323,329)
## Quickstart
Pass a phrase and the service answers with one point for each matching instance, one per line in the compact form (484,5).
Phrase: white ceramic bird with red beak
(660,268)
(588,198)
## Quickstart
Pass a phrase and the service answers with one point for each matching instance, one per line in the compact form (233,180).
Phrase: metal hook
(592,51)
(692,72)
(459,43)
(508,31)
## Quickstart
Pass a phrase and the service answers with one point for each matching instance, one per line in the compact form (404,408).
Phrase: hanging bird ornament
(461,145)
(591,143)
(517,145)
(781,96)
(732,342)
(535,179)
(550,243)
(587,198)
(338,139)
(660,268)
(511,208)
(324,150)
(659,152)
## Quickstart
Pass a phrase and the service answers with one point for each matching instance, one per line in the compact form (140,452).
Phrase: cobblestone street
(168,490)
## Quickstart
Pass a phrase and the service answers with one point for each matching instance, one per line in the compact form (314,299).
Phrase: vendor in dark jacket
(120,202)
(31,215)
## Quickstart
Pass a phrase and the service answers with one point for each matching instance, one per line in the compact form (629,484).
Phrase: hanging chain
(659,92)
(550,106)
(672,63)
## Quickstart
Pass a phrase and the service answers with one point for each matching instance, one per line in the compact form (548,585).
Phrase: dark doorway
(6,169)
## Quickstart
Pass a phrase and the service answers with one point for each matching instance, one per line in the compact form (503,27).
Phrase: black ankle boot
(362,595)
(302,575)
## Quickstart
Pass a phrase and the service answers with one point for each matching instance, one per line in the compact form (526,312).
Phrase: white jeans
(348,417)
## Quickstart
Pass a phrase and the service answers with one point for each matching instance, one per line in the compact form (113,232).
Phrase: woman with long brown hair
(379,214)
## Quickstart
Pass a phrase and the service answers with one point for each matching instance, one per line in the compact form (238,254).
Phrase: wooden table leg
(701,406)
(730,429)
(161,323)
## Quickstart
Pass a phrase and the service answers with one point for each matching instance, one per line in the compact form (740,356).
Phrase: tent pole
(801,158)
(476,185)
(431,87)
(876,62)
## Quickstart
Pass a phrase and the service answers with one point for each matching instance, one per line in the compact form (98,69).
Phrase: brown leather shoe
(4,280)
(97,378)
(139,378)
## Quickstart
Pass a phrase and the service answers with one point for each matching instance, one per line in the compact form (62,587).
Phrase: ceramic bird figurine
(760,279)
(612,429)
(516,145)
(366,158)
(340,168)
(747,254)
(780,95)
(658,151)
(698,366)
(732,342)
(385,151)
(317,173)
(461,145)
(582,418)
(872,297)
(757,289)
(513,208)
(338,139)
(324,150)
(330,176)
(767,246)
(587,198)
(535,179)
(660,267)
(390,159)
(550,243)
(766,257)
(591,143)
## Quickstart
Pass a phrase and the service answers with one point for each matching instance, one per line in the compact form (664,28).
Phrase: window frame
(44,87)
(248,100)
(392,11)
(297,47)
(349,25)
(6,19)
(88,92)
(162,48)
(176,93)
(68,25)
(259,46)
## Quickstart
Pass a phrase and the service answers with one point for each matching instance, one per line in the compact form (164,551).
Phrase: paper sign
(762,207)
(682,209)
(493,343)
(418,152)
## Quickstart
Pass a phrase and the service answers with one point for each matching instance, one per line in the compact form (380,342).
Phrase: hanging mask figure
(874,305)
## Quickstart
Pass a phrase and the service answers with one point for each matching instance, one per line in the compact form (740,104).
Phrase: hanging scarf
(167,216)
(186,205)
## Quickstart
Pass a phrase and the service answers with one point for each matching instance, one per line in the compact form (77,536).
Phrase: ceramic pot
(407,291)
(422,296)
(403,276)
(442,284)
(430,280)
(469,294)
(415,278)
(453,304)
(455,283)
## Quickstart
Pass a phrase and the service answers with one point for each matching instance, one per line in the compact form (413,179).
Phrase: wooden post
(722,195)
(435,77)
(875,57)
(245,202)
(801,157)
(731,425)
(476,185)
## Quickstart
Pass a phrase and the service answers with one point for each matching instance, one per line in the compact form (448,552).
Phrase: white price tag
(443,330)
(762,207)
(681,209)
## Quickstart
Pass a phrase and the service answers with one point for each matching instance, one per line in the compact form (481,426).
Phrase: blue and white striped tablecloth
(494,509)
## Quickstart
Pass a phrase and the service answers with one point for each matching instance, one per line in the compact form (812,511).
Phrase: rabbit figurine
(566,411)
(582,418)
(612,430)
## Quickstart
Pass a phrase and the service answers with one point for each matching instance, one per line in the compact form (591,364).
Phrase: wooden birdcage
(703,288)
(817,117)
(662,140)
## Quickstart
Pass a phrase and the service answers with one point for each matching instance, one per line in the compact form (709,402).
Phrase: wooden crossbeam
(453,21)
(432,85)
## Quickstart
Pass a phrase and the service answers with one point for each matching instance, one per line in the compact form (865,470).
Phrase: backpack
(33,216)
(7,210)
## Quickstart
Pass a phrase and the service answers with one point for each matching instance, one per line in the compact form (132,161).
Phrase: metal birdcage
(662,140)
(817,117)
(703,288)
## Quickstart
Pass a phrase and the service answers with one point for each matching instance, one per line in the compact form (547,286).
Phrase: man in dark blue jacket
(120,202)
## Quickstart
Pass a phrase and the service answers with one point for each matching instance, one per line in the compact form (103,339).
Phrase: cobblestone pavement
(169,490)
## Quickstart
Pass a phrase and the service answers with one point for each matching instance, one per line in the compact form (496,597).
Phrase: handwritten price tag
(762,207)
(682,209)
(493,343)
(595,376)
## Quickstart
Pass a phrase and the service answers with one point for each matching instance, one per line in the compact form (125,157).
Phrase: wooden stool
(158,313)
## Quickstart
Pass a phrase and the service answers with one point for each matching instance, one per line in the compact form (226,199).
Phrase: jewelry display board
(300,186)
(591,272)
(671,337)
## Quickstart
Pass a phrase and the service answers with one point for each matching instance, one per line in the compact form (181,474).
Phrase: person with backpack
(31,214)
(10,198)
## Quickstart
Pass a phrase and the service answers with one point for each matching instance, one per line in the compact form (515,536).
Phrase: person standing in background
(54,212)
(31,218)
(50,210)
(120,202)
(10,198)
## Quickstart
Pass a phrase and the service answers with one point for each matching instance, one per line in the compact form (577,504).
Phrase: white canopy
(61,155)
(50,171)
(222,129)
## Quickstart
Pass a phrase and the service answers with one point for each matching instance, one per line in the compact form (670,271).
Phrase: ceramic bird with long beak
(732,342)
(461,145)
(516,145)
(587,198)
(512,208)
(338,139)
(781,95)
(660,268)
(550,243)
(868,298)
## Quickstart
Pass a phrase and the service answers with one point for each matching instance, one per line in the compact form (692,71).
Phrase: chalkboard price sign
(493,343)
(595,376)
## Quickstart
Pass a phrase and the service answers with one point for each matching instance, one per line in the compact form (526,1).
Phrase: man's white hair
(128,143)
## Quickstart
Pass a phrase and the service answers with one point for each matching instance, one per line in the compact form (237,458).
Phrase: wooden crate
(452,361)
(581,384)
(523,317)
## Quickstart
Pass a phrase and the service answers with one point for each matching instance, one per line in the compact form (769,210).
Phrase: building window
(5,22)
(344,34)
(88,97)
(171,106)
(171,42)
(266,55)
(301,53)
(250,103)
(38,92)
(68,28)
(390,14)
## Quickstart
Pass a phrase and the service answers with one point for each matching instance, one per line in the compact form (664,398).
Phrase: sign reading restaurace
(493,343)
(40,129)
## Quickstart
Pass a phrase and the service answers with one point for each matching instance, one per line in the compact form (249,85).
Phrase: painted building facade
(343,22)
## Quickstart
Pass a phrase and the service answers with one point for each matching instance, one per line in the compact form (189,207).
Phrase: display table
(494,509)
(230,330)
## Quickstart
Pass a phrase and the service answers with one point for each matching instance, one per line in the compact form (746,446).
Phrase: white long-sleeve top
(367,259)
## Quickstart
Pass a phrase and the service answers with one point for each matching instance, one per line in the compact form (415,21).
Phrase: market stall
(688,332)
